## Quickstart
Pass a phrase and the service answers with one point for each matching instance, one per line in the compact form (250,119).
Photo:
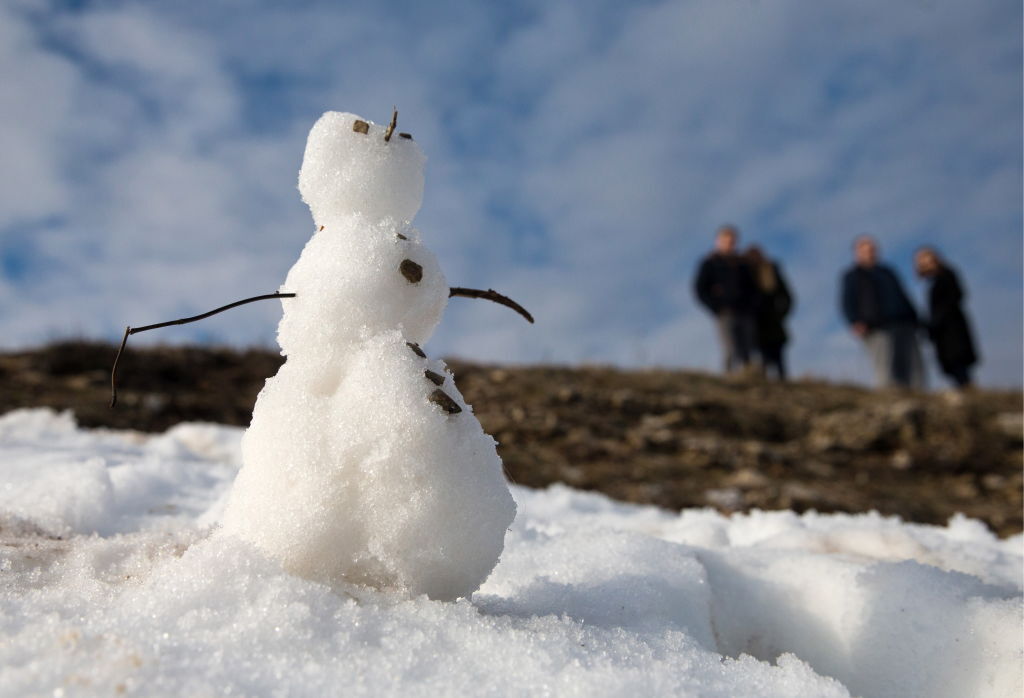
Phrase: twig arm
(490,295)
(183,321)
(113,371)
(195,318)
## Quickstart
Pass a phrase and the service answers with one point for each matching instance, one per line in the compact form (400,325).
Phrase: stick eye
(361,126)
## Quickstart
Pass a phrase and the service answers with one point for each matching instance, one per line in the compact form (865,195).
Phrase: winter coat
(724,284)
(874,296)
(947,324)
(773,307)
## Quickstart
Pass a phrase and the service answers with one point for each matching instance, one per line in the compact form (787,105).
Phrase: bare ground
(672,438)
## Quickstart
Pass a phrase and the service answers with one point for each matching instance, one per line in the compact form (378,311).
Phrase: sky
(580,157)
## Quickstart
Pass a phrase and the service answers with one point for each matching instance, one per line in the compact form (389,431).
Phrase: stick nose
(391,126)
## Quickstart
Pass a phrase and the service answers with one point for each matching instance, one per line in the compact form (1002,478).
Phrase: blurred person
(882,316)
(774,303)
(725,286)
(947,323)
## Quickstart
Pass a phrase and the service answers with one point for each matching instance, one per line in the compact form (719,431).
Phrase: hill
(676,439)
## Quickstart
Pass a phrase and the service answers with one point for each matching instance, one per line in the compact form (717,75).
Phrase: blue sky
(580,157)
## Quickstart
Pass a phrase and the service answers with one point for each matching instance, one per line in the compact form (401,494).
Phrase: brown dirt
(672,438)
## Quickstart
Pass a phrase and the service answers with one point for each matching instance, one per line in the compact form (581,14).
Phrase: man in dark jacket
(879,312)
(725,286)
(947,323)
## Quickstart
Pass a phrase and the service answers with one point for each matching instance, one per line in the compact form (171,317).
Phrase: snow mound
(591,597)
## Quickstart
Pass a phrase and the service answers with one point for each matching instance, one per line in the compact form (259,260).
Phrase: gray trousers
(736,333)
(896,356)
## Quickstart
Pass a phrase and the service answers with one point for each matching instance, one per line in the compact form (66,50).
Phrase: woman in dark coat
(947,323)
(773,304)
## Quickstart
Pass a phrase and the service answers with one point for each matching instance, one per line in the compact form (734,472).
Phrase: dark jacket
(947,324)
(875,297)
(725,284)
(772,308)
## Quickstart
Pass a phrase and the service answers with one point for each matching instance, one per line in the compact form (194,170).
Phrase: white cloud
(580,157)
(34,104)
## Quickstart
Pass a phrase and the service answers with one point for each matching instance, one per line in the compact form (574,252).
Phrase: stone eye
(361,126)
(412,271)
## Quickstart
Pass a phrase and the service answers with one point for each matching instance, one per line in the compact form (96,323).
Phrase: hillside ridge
(676,439)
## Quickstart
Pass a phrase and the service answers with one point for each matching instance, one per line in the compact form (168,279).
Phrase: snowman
(363,464)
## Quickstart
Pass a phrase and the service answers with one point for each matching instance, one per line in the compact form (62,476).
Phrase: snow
(345,172)
(352,470)
(591,597)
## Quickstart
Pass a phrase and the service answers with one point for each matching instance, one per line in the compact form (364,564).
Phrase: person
(771,310)
(725,286)
(882,316)
(947,324)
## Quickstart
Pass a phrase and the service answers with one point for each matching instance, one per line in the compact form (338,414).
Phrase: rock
(1011,424)
(797,492)
(909,415)
(728,498)
(902,460)
(748,478)
(445,402)
(855,431)
(567,395)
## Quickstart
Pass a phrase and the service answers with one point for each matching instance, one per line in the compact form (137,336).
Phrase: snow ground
(591,597)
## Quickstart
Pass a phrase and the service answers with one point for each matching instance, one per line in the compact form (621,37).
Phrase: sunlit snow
(111,583)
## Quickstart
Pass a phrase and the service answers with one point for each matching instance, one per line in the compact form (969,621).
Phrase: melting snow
(111,584)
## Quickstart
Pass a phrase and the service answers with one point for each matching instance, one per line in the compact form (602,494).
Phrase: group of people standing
(749,298)
(882,316)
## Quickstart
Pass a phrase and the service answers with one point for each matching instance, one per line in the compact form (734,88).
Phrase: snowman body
(363,463)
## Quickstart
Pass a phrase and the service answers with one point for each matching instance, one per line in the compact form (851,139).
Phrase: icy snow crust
(352,473)
(591,597)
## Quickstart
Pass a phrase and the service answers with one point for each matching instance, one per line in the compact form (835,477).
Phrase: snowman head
(355,167)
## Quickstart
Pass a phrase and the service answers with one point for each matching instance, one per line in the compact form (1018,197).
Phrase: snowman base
(396,491)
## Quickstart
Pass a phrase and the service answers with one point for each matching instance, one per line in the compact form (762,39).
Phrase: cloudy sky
(580,156)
